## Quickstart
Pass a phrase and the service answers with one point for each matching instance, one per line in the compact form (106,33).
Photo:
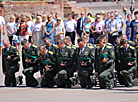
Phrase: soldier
(129,42)
(30,58)
(10,65)
(66,64)
(104,63)
(127,62)
(86,37)
(49,45)
(85,60)
(47,67)
(67,41)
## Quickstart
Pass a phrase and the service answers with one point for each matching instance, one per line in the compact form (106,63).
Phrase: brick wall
(28,7)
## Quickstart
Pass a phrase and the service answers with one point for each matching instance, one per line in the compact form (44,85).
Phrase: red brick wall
(40,7)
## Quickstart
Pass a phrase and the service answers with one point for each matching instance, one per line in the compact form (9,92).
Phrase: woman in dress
(16,28)
(49,29)
(128,26)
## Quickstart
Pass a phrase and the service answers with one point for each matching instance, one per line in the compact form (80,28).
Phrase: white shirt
(2,21)
(70,25)
(30,28)
(59,30)
(37,27)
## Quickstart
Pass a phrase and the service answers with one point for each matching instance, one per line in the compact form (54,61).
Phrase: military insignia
(130,54)
(105,52)
(33,52)
(135,54)
(54,59)
(113,53)
(86,53)
(24,51)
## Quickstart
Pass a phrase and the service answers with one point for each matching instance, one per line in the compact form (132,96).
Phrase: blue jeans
(91,40)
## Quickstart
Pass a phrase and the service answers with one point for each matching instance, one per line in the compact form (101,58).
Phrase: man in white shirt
(2,21)
(112,28)
(70,26)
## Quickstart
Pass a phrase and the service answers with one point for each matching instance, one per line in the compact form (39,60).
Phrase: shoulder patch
(132,47)
(13,47)
(54,45)
(109,47)
(34,46)
(91,47)
(109,43)
(69,47)
(74,47)
(50,52)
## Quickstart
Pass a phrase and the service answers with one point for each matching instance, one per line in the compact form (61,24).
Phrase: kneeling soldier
(66,64)
(104,63)
(47,67)
(10,65)
(30,54)
(127,61)
(85,62)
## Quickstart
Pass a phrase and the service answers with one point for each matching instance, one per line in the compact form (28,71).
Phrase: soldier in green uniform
(85,62)
(30,59)
(104,65)
(127,62)
(50,46)
(10,65)
(67,41)
(47,70)
(129,42)
(66,64)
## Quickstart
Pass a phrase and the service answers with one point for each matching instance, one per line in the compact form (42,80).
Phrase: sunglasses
(49,17)
(58,20)
(111,16)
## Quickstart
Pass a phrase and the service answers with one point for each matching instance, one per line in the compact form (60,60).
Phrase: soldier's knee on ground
(62,74)
(10,72)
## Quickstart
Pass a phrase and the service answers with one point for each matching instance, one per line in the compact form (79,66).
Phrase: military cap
(29,56)
(84,59)
(64,59)
(46,62)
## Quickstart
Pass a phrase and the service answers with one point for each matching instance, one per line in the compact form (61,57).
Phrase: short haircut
(81,39)
(47,39)
(123,41)
(67,38)
(42,47)
(70,14)
(24,41)
(100,39)
(85,37)
(136,12)
(60,41)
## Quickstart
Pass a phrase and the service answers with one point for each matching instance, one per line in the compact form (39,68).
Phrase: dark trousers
(10,76)
(85,77)
(30,79)
(120,33)
(48,80)
(80,34)
(72,36)
(112,39)
(30,39)
(10,39)
(95,36)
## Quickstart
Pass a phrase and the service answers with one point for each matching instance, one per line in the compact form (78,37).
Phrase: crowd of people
(48,45)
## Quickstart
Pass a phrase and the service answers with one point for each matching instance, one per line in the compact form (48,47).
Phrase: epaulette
(109,44)
(34,46)
(97,47)
(136,46)
(132,47)
(109,47)
(50,52)
(55,45)
(121,46)
(69,47)
(74,47)
(130,41)
(13,46)
(91,47)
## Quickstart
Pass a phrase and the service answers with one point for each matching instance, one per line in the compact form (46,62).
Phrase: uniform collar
(8,49)
(29,48)
(103,47)
(126,48)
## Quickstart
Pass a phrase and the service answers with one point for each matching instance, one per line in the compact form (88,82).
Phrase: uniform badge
(130,54)
(86,53)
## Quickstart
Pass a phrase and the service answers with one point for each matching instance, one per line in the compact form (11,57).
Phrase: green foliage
(1,1)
